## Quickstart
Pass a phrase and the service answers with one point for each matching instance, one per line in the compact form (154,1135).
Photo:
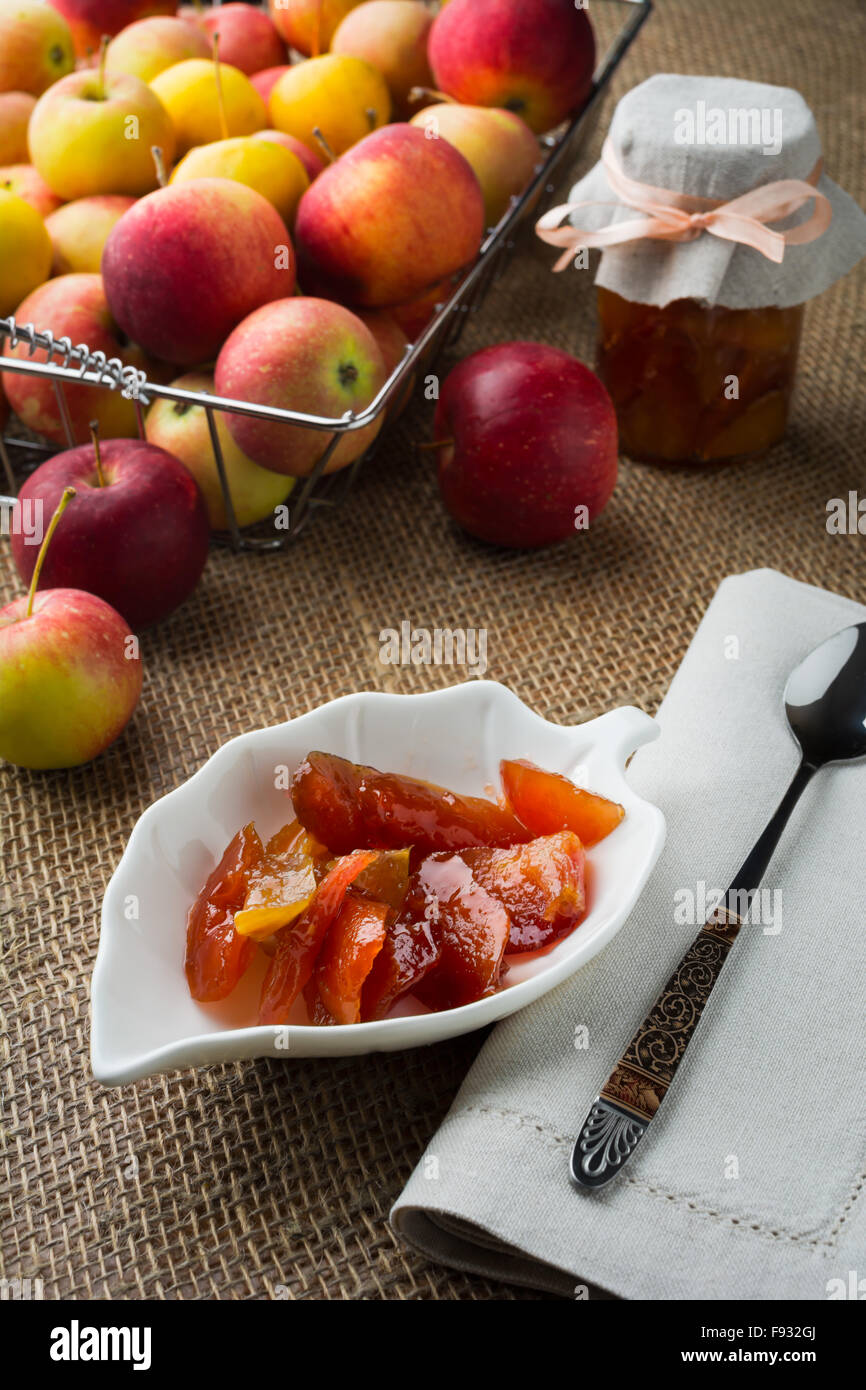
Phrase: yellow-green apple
(136,533)
(89,20)
(35,46)
(307,355)
(73,306)
(342,98)
(270,169)
(309,25)
(248,39)
(392,343)
(16,109)
(148,47)
(181,428)
(25,251)
(392,35)
(501,148)
(265,81)
(189,261)
(535,57)
(388,221)
(189,93)
(92,132)
(311,162)
(79,230)
(29,184)
(526,437)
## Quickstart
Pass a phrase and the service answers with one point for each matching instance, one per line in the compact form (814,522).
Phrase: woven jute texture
(274,1179)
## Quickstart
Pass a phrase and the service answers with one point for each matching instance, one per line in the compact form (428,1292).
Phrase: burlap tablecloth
(274,1179)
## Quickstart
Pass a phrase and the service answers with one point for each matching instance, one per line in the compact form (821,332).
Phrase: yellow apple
(188,91)
(345,98)
(182,430)
(93,134)
(148,47)
(309,25)
(79,230)
(35,46)
(25,251)
(24,180)
(269,168)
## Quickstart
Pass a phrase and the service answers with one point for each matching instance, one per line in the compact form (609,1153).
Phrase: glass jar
(692,384)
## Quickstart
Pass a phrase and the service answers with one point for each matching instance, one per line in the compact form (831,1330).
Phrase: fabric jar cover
(668,132)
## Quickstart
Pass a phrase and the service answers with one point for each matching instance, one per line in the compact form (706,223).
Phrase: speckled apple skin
(140,543)
(292,355)
(70,679)
(535,57)
(188,262)
(393,216)
(534,436)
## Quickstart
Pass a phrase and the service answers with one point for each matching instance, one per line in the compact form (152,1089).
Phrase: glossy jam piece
(387,879)
(669,374)
(346,959)
(346,805)
(282,884)
(470,928)
(299,943)
(216,954)
(540,885)
(547,802)
(408,952)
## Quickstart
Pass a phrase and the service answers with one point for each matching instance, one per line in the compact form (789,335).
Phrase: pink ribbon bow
(672,216)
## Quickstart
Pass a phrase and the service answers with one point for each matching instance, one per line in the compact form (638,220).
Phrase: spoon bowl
(825,699)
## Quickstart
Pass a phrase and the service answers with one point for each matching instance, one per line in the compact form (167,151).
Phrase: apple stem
(317,132)
(161,175)
(68,494)
(416,93)
(94,435)
(103,51)
(436,444)
(224,128)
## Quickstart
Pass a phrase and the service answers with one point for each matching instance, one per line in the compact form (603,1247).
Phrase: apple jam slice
(540,885)
(299,943)
(346,805)
(346,959)
(282,883)
(470,928)
(216,954)
(547,802)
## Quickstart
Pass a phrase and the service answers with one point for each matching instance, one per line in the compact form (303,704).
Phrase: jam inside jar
(692,384)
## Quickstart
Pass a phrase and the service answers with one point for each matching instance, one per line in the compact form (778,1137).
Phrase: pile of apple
(265,204)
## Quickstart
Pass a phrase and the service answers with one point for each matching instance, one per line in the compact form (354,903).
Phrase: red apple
(301,354)
(526,438)
(265,81)
(311,162)
(73,306)
(189,261)
(29,184)
(248,39)
(70,672)
(138,539)
(534,57)
(90,19)
(393,216)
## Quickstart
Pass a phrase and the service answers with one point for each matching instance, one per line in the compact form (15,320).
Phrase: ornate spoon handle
(619,1115)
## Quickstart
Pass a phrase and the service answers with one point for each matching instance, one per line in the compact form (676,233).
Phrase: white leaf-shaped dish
(143,1019)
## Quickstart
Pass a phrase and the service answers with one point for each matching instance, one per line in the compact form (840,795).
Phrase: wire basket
(616,22)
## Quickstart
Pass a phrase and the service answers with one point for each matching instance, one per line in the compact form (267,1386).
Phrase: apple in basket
(392,35)
(248,39)
(35,46)
(135,534)
(534,57)
(149,46)
(394,216)
(90,19)
(526,441)
(70,673)
(502,150)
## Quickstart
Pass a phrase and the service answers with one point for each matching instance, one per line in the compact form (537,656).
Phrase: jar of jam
(716,224)
(696,384)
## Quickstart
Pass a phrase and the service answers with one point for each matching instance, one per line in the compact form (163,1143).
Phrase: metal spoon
(825,701)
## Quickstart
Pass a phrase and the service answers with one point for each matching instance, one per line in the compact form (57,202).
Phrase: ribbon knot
(672,216)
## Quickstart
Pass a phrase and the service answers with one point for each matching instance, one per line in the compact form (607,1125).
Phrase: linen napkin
(749,1183)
